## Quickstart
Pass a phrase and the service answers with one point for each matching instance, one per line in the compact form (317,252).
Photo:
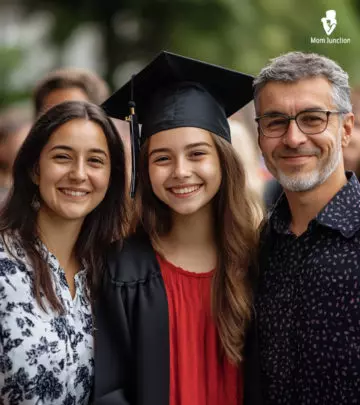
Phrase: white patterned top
(45,358)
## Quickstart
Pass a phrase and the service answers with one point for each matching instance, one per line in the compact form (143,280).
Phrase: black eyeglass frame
(294,117)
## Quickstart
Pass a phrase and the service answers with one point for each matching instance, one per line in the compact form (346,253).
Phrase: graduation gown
(132,355)
(132,350)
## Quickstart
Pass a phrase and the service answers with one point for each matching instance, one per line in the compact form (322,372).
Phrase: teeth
(185,190)
(74,193)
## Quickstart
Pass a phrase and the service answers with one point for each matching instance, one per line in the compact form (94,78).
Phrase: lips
(73,192)
(296,159)
(185,190)
(295,156)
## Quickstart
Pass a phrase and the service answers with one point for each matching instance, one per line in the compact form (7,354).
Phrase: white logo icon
(329,21)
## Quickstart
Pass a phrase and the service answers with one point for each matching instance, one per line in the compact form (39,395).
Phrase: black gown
(132,354)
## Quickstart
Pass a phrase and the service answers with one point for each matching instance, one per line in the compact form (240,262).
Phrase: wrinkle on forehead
(290,98)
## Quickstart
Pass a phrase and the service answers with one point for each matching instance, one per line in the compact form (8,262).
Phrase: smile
(73,193)
(296,159)
(185,190)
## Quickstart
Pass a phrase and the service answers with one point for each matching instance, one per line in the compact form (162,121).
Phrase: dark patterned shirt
(308,306)
(45,358)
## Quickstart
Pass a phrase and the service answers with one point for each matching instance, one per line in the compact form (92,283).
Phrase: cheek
(50,174)
(271,148)
(101,181)
(157,175)
(327,143)
(266,146)
(211,171)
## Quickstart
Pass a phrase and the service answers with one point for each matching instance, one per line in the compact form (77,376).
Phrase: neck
(59,237)
(191,242)
(305,205)
(193,230)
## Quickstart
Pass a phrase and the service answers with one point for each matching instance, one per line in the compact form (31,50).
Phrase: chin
(72,216)
(188,210)
(180,211)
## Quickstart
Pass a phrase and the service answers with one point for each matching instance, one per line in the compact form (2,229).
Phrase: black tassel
(135,140)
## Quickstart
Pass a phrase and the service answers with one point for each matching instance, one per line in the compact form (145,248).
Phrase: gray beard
(311,180)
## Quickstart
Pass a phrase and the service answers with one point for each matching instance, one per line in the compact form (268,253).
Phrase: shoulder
(11,247)
(14,272)
(132,261)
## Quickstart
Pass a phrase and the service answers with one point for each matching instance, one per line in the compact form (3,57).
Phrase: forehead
(293,97)
(179,138)
(79,134)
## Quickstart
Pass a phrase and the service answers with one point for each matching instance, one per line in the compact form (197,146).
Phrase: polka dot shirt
(308,306)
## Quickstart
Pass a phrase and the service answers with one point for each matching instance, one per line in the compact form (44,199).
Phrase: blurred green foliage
(240,34)
(10,58)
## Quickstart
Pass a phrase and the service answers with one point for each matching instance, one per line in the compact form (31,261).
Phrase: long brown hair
(236,222)
(108,221)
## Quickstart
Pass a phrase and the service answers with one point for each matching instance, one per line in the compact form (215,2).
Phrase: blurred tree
(10,57)
(242,34)
(189,26)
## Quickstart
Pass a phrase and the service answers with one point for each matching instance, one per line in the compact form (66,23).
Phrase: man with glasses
(307,321)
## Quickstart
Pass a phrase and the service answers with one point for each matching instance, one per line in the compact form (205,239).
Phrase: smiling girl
(176,298)
(65,208)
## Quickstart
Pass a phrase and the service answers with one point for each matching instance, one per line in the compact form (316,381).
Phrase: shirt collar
(342,213)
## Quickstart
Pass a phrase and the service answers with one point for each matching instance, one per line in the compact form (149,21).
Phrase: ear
(35,174)
(347,128)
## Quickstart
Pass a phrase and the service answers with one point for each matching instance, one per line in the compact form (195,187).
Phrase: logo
(329,22)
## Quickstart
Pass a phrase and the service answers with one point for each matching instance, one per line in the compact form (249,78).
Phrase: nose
(182,168)
(78,171)
(294,137)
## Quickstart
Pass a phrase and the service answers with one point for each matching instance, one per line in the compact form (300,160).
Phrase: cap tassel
(135,139)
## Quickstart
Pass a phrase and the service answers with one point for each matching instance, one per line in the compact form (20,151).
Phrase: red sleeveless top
(197,375)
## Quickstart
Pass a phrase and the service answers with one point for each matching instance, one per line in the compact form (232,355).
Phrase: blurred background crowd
(51,51)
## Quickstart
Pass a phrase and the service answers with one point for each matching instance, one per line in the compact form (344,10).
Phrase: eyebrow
(68,148)
(303,109)
(187,147)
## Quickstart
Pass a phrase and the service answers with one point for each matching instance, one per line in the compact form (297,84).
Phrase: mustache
(291,152)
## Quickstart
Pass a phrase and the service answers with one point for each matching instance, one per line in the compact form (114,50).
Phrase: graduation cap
(173,91)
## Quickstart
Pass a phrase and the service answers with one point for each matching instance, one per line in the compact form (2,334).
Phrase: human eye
(61,157)
(161,159)
(312,118)
(275,121)
(96,160)
(197,153)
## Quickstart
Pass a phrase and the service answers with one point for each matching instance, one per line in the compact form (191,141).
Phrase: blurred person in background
(249,154)
(352,151)
(66,85)
(15,123)
(65,208)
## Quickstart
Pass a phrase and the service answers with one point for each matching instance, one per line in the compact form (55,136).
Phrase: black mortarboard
(174,91)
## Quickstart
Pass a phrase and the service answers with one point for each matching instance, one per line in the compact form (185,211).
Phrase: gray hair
(294,66)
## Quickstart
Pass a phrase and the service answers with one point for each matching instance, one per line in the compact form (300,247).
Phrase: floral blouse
(45,358)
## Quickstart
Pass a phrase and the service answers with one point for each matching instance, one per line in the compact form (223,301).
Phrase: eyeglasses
(275,125)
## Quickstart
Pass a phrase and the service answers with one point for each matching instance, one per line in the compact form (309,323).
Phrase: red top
(197,376)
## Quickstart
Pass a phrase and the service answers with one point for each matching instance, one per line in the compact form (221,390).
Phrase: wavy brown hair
(108,221)
(237,216)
